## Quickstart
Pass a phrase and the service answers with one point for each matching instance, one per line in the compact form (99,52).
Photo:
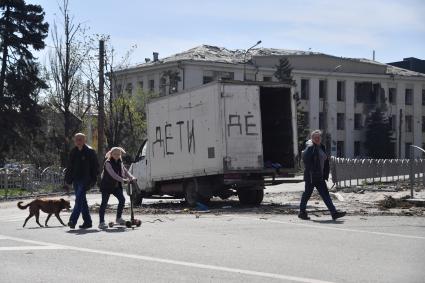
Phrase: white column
(417,117)
(332,113)
(314,103)
(349,118)
(157,78)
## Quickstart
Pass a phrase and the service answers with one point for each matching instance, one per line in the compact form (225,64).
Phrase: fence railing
(32,179)
(345,171)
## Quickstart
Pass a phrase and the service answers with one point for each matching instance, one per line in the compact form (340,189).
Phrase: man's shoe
(71,225)
(338,214)
(120,221)
(85,226)
(303,216)
(102,226)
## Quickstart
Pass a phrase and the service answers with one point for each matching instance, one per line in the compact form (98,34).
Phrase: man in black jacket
(81,172)
(316,171)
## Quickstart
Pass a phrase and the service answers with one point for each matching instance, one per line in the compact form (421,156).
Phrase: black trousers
(322,188)
(105,198)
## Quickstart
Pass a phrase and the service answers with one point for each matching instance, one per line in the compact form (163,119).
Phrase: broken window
(407,149)
(358,121)
(392,95)
(151,85)
(118,89)
(141,85)
(162,86)
(409,96)
(423,96)
(207,79)
(363,92)
(305,89)
(227,76)
(409,123)
(392,120)
(306,122)
(340,91)
(357,148)
(209,76)
(423,124)
(322,89)
(129,88)
(340,149)
(340,121)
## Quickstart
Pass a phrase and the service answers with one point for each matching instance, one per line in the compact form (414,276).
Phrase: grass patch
(17,192)
(13,192)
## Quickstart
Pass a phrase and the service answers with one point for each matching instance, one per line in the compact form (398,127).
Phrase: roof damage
(209,53)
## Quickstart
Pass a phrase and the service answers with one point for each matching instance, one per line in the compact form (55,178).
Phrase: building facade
(352,87)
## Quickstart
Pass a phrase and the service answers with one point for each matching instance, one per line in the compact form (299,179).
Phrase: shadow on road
(116,230)
(82,231)
(44,227)
(329,221)
(215,206)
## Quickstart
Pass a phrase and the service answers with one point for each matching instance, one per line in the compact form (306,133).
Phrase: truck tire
(192,195)
(250,196)
(190,192)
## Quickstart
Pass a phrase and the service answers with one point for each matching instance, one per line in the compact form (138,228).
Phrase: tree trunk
(4,55)
(101,114)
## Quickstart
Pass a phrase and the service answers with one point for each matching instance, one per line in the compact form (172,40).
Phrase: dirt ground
(384,199)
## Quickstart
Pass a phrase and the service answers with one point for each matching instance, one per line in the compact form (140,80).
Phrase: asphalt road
(215,248)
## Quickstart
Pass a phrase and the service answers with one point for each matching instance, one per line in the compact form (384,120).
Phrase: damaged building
(352,87)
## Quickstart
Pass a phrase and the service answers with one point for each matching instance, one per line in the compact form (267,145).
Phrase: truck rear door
(242,133)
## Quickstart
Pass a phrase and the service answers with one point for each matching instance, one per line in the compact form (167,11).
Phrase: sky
(395,29)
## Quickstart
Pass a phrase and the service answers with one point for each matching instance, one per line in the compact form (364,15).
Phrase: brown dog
(49,206)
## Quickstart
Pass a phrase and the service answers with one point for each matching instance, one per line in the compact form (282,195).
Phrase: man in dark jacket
(316,163)
(81,172)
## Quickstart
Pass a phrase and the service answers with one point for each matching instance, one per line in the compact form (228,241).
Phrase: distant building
(411,63)
(346,81)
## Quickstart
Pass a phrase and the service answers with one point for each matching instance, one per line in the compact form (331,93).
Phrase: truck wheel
(191,194)
(251,197)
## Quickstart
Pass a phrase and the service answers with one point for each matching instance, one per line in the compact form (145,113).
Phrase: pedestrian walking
(114,174)
(316,173)
(81,172)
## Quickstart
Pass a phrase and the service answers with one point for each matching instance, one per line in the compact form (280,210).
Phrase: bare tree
(66,62)
(124,107)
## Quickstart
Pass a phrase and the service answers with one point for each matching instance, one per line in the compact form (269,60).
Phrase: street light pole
(244,59)
(411,173)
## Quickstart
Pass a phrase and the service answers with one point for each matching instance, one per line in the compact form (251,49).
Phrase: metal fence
(346,172)
(32,179)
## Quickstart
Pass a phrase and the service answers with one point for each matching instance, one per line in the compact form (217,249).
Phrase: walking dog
(49,206)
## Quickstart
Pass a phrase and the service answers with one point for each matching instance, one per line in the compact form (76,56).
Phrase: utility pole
(89,123)
(399,133)
(101,97)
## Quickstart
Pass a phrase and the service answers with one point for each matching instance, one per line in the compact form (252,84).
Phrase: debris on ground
(383,199)
(390,202)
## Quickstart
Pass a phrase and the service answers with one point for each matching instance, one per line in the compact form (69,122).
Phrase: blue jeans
(105,198)
(81,205)
(322,188)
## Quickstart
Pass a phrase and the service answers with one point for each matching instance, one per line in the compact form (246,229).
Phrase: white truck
(221,139)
